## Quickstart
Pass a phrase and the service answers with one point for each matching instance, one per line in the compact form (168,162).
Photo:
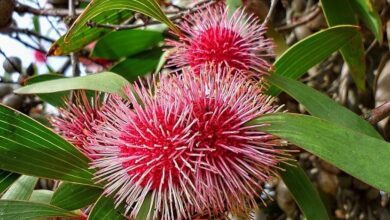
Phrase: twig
(30,33)
(21,8)
(270,12)
(17,38)
(73,56)
(378,114)
(198,6)
(302,20)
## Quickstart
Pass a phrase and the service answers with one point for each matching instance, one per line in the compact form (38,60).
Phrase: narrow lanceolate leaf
(362,156)
(104,209)
(55,99)
(104,82)
(41,196)
(320,105)
(126,43)
(86,35)
(21,189)
(305,195)
(6,179)
(339,12)
(133,67)
(369,16)
(12,209)
(28,147)
(297,60)
(72,196)
(96,7)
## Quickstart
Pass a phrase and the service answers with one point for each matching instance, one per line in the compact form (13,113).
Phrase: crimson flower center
(219,45)
(155,153)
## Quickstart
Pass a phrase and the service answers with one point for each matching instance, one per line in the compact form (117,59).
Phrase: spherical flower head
(231,160)
(212,36)
(76,120)
(143,152)
(184,144)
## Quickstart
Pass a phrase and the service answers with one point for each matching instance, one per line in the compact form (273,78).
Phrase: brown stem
(21,8)
(301,21)
(378,114)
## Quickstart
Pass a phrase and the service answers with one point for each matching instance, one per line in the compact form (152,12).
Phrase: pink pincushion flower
(231,159)
(77,119)
(211,36)
(187,146)
(143,151)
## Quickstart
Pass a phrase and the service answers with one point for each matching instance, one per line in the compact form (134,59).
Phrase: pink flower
(211,36)
(76,121)
(143,152)
(230,159)
(185,144)
(39,56)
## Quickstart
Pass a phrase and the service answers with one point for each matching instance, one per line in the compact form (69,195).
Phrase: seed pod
(12,64)
(13,101)
(302,31)
(328,182)
(284,199)
(6,10)
(5,90)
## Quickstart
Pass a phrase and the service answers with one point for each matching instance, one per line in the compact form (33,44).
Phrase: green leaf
(126,43)
(11,209)
(233,5)
(21,189)
(41,196)
(96,7)
(104,209)
(299,58)
(55,99)
(339,12)
(362,156)
(29,148)
(321,106)
(146,207)
(303,191)
(104,82)
(139,65)
(86,35)
(369,16)
(6,179)
(36,23)
(72,196)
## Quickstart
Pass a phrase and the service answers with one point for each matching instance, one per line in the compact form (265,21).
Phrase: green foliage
(6,179)
(305,195)
(12,209)
(86,35)
(21,189)
(28,147)
(126,43)
(349,150)
(312,50)
(133,67)
(72,196)
(97,7)
(41,196)
(104,82)
(370,17)
(321,106)
(104,209)
(338,12)
(55,98)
